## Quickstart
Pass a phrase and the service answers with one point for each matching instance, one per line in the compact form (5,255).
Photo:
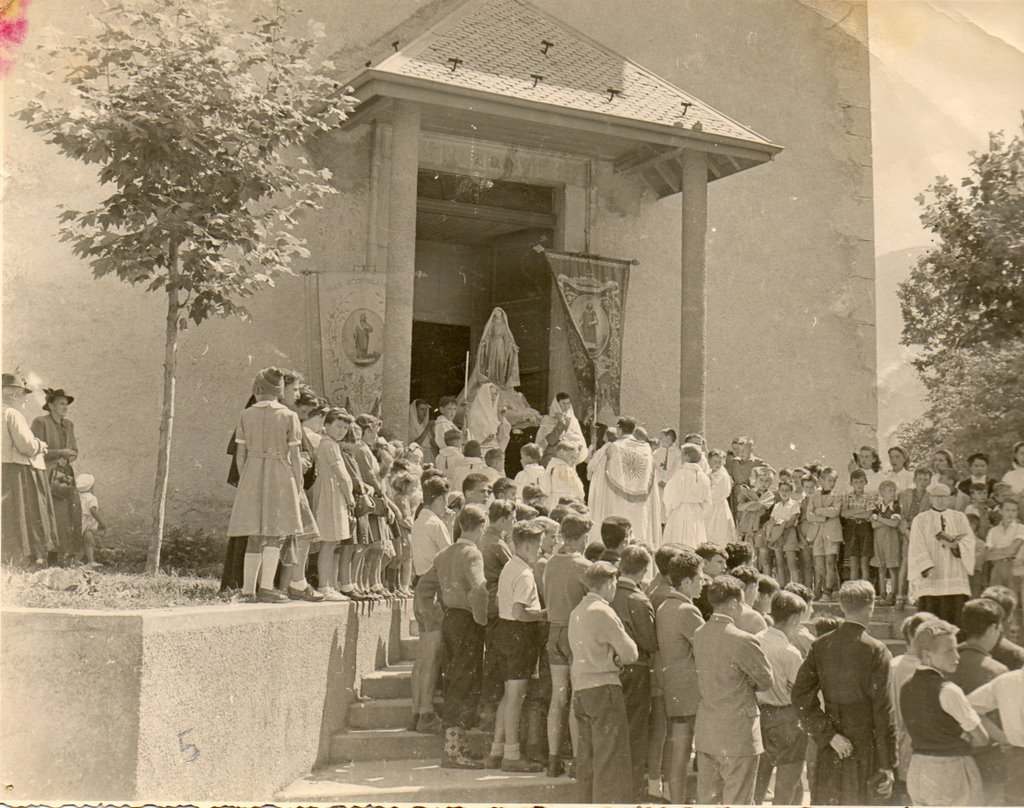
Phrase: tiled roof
(500,48)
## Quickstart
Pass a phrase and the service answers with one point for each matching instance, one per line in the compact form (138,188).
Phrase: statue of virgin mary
(497,356)
(492,384)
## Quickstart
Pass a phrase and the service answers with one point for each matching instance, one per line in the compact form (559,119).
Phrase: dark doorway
(438,360)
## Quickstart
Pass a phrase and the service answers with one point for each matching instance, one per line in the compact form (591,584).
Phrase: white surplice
(947,574)
(719,526)
(623,484)
(687,498)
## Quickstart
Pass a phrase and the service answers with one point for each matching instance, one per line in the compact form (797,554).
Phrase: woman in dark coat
(58,433)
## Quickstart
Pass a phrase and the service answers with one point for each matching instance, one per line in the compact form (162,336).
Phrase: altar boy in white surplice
(687,498)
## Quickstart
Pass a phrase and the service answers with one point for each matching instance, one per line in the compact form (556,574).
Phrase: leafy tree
(967,292)
(975,405)
(963,307)
(196,124)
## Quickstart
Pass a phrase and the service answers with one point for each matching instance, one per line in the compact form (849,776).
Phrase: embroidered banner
(593,295)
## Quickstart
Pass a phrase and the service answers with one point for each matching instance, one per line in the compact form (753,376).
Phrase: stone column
(401,267)
(693,304)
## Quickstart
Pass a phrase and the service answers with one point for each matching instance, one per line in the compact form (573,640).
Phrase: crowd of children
(618,663)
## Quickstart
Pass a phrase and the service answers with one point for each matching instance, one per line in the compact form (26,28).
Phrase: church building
(718,153)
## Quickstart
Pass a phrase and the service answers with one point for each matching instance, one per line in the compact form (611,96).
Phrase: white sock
(250,570)
(299,586)
(511,751)
(654,787)
(270,557)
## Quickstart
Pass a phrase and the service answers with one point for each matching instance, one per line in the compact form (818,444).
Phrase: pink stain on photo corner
(13,27)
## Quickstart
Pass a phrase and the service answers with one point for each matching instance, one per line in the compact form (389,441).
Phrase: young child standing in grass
(92,522)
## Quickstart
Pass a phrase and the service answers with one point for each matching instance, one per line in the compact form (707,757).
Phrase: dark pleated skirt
(29,522)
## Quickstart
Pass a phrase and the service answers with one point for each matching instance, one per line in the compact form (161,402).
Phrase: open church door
(522,287)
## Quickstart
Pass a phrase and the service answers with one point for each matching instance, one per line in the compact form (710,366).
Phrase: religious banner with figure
(593,294)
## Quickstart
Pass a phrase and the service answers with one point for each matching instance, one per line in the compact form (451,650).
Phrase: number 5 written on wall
(189,751)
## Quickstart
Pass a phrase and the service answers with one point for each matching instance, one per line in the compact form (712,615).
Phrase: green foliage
(191,119)
(975,404)
(963,306)
(967,292)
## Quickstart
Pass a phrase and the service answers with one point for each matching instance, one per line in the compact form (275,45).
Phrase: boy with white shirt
(516,643)
(450,456)
(1005,695)
(1003,543)
(563,481)
(533,472)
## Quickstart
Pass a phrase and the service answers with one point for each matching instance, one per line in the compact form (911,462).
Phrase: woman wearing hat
(58,433)
(29,524)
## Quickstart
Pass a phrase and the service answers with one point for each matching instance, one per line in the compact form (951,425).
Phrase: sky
(944,74)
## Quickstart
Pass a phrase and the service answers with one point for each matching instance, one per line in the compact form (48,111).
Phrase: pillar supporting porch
(693,300)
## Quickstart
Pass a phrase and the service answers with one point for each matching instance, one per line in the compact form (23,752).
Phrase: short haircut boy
(500,509)
(614,530)
(472,449)
(786,605)
(474,481)
(452,437)
(723,589)
(927,636)
(766,585)
(670,434)
(856,595)
(910,625)
(683,565)
(858,474)
(634,559)
(531,451)
(524,513)
(433,488)
(472,517)
(593,551)
(575,527)
(887,484)
(532,492)
(503,486)
(564,447)
(691,453)
(599,573)
(526,533)
(800,590)
(663,555)
(444,402)
(826,623)
(746,575)
(977,456)
(979,615)
(737,554)
(707,551)
(493,456)
(1003,596)
(922,471)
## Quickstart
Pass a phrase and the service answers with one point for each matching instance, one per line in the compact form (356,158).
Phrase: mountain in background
(901,395)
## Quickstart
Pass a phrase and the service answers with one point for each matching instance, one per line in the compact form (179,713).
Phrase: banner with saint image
(593,295)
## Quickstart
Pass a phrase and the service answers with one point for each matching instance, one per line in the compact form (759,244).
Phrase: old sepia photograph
(512,402)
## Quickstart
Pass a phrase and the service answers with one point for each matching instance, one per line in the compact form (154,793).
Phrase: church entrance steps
(382,713)
(393,682)
(397,743)
(421,782)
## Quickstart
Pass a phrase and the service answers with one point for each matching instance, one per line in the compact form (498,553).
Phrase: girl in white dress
(718,522)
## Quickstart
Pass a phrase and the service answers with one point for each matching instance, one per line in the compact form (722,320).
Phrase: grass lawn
(76,588)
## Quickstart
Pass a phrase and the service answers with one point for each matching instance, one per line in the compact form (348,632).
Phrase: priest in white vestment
(623,484)
(941,557)
(687,498)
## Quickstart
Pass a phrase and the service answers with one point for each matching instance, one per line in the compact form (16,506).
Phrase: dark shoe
(270,596)
(309,593)
(555,766)
(429,724)
(492,762)
(520,765)
(570,767)
(487,722)
(413,722)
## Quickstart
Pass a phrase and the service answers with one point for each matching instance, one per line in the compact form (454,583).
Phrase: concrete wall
(180,705)
(790,255)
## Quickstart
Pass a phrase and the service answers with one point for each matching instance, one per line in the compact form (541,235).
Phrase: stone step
(413,781)
(392,682)
(396,743)
(882,614)
(383,713)
(410,646)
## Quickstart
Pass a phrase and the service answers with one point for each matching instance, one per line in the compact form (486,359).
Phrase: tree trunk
(166,415)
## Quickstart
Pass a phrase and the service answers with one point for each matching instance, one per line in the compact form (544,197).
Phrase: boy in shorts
(563,590)
(885,521)
(753,504)
(515,642)
(782,533)
(823,512)
(858,535)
